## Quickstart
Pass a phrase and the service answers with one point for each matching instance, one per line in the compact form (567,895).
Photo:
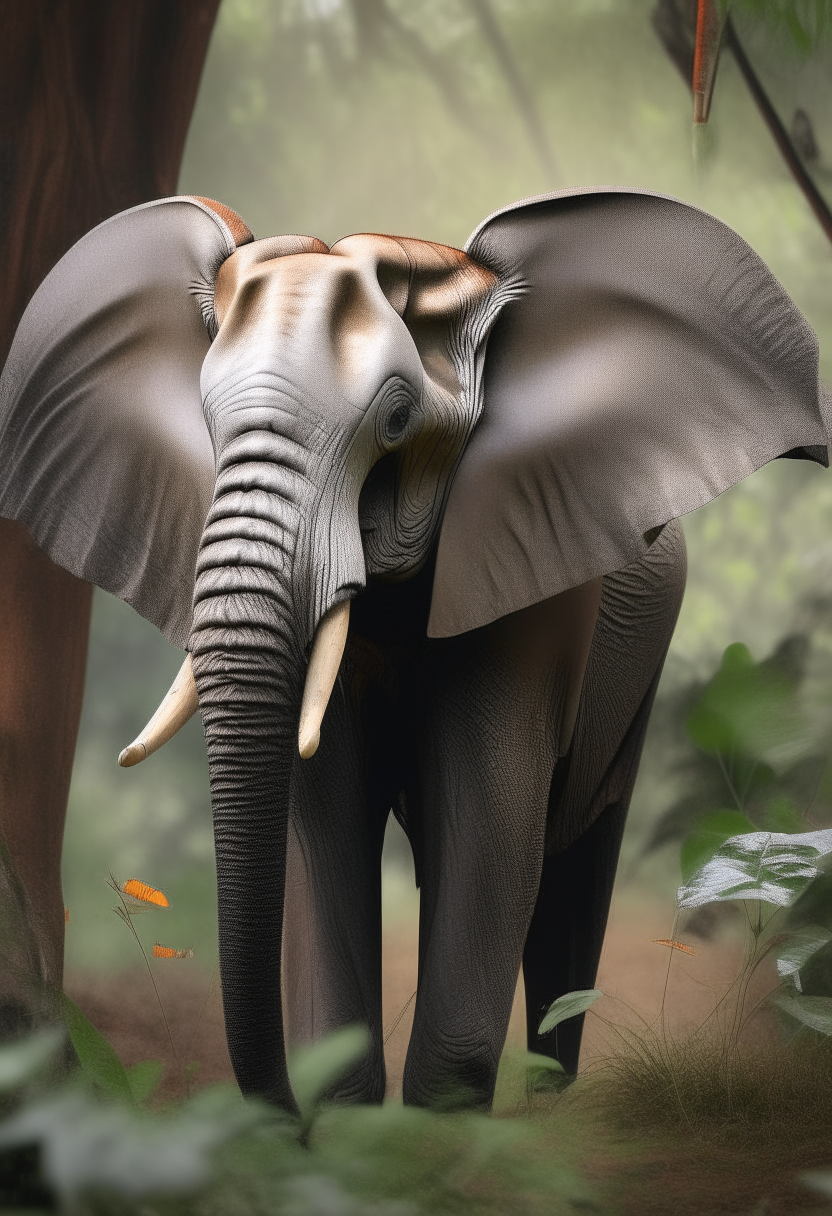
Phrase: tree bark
(95,102)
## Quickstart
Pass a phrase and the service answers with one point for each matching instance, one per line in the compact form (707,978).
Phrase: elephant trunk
(248,647)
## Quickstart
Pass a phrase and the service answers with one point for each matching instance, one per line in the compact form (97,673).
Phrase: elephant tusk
(179,705)
(327,648)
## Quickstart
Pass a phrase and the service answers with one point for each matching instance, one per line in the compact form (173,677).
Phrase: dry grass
(760,1095)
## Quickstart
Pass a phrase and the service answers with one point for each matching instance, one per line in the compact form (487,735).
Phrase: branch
(523,99)
(778,132)
(373,17)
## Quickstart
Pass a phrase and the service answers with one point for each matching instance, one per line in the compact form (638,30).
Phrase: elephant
(412,511)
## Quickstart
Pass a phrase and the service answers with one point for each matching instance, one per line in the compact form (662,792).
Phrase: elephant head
(234,435)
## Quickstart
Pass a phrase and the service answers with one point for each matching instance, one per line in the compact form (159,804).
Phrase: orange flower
(168,952)
(666,941)
(141,896)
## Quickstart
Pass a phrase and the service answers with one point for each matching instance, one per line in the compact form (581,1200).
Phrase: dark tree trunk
(95,102)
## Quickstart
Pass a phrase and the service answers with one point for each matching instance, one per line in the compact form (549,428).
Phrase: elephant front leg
(332,925)
(495,711)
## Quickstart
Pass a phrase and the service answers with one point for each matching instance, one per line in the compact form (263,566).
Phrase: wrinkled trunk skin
(249,666)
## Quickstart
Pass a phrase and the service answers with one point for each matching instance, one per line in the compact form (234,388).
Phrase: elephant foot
(448,1077)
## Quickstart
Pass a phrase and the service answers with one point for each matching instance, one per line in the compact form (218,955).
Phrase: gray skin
(463,736)
(496,506)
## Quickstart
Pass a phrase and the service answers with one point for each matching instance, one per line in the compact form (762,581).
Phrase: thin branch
(778,132)
(123,912)
(493,35)
(730,783)
(388,1033)
(378,17)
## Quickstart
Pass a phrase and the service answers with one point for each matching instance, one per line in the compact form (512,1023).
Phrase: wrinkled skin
(466,733)
(506,550)
(340,385)
(297,524)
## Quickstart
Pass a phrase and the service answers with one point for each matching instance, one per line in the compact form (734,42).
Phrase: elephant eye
(396,421)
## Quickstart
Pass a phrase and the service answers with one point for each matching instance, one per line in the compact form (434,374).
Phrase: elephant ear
(104,452)
(649,361)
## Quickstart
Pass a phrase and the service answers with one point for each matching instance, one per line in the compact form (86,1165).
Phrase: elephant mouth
(180,702)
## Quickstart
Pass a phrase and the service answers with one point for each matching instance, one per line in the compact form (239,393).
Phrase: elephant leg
(44,626)
(495,703)
(563,946)
(591,790)
(332,928)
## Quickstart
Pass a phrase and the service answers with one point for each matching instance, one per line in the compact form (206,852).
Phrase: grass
(660,1125)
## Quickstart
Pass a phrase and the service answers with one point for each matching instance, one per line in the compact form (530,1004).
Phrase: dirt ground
(684,1176)
(634,976)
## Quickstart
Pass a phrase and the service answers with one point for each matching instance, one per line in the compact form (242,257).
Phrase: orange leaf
(160,951)
(666,941)
(144,894)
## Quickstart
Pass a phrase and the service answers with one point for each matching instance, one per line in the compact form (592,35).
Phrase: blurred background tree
(334,116)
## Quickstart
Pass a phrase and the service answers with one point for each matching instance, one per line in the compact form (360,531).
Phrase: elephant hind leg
(563,946)
(494,706)
(591,789)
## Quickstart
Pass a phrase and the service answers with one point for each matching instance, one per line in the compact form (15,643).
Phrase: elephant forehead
(419,278)
(315,318)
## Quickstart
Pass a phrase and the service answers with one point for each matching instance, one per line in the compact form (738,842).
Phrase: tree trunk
(95,102)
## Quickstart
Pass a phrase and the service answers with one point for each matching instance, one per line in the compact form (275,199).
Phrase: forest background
(328,117)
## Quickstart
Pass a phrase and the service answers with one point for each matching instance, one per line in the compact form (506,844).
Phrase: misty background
(420,118)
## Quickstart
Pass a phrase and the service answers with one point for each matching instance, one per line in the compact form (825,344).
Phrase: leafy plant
(216,1154)
(568,1006)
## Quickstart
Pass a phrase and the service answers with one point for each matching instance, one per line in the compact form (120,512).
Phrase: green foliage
(86,1146)
(21,1062)
(806,24)
(144,1078)
(216,1154)
(712,832)
(315,1068)
(568,1006)
(768,1099)
(812,1011)
(819,1181)
(753,745)
(800,947)
(96,1056)
(543,1074)
(770,866)
(745,710)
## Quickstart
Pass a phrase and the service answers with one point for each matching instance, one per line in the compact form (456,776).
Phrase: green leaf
(143,1078)
(781,815)
(746,708)
(314,1069)
(97,1057)
(706,838)
(812,1011)
(568,1006)
(543,1074)
(23,1060)
(709,723)
(88,1145)
(533,1059)
(800,947)
(771,866)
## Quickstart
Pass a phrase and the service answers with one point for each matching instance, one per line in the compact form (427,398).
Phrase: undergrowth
(718,1121)
(766,1094)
